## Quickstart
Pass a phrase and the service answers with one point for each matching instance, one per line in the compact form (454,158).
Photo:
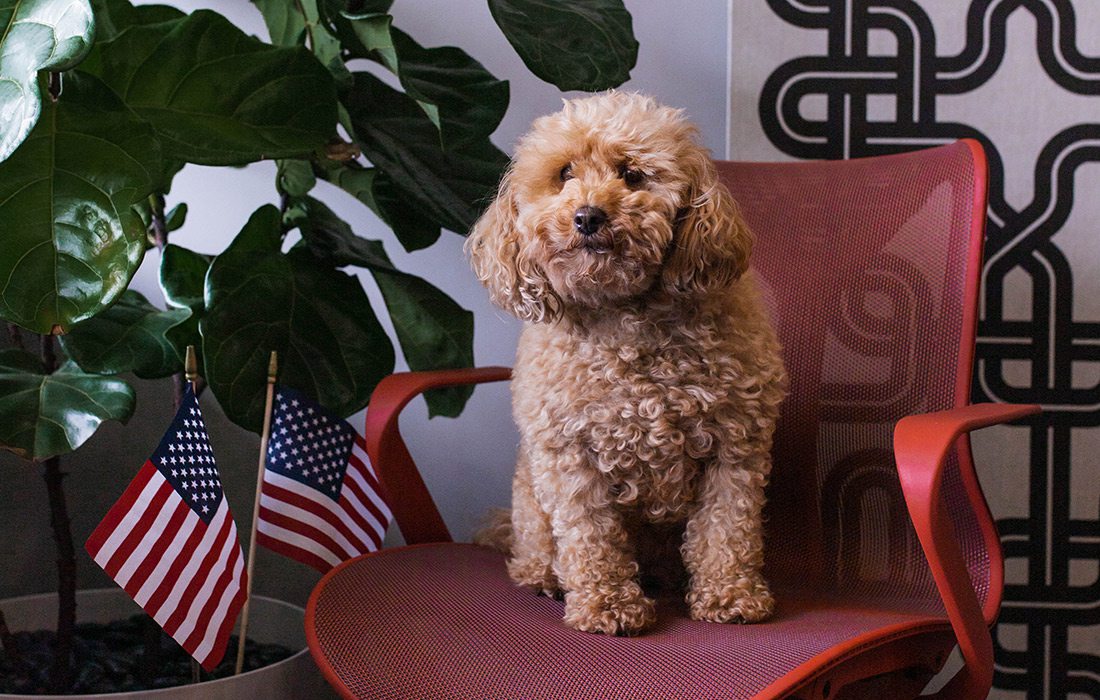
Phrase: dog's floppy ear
(712,243)
(496,251)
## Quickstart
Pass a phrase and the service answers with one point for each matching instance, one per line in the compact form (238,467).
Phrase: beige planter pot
(272,621)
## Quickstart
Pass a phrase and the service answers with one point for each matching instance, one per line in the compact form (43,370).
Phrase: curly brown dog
(648,377)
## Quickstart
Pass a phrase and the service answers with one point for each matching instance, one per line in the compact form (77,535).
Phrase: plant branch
(16,337)
(312,43)
(158,227)
(53,87)
(342,151)
(159,224)
(7,640)
(62,669)
(61,672)
(49,356)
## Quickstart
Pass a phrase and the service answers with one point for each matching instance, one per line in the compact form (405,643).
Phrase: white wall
(467,461)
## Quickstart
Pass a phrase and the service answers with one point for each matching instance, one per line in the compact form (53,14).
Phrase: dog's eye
(632,177)
(566,173)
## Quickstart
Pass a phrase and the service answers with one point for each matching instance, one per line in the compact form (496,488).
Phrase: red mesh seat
(879,545)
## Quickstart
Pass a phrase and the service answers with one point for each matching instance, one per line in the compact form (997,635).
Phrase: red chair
(871,268)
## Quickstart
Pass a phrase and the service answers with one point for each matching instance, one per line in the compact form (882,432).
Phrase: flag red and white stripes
(171,543)
(320,502)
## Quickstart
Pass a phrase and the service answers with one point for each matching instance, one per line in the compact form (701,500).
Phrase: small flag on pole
(320,503)
(171,543)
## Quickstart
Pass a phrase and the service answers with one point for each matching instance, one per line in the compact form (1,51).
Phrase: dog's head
(607,200)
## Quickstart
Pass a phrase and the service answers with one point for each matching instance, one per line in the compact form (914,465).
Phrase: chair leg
(962,686)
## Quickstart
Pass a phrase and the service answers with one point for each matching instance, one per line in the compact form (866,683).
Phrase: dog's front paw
(746,600)
(536,575)
(623,611)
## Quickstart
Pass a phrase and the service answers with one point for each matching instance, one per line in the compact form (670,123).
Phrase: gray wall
(467,461)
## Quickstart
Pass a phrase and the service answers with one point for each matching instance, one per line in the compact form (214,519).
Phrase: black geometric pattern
(1039,616)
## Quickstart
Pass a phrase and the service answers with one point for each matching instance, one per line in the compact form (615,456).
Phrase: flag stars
(187,461)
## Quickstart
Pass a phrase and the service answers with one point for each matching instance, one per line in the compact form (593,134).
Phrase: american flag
(320,502)
(171,543)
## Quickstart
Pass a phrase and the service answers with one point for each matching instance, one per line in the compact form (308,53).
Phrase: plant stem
(159,227)
(8,641)
(61,673)
(53,86)
(16,337)
(49,357)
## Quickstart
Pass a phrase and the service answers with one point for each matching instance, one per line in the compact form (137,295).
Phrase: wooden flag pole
(191,366)
(272,371)
(191,372)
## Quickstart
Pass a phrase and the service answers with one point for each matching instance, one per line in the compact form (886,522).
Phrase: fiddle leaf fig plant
(103,102)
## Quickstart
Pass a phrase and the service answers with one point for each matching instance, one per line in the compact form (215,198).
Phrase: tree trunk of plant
(8,641)
(62,670)
(15,336)
(61,673)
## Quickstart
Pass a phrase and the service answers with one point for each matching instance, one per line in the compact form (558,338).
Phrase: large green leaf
(17,360)
(44,415)
(129,336)
(333,11)
(291,23)
(573,44)
(434,331)
(36,35)
(112,17)
(217,96)
(182,281)
(286,25)
(69,240)
(464,100)
(294,177)
(338,20)
(451,186)
(373,188)
(318,319)
(182,276)
(413,228)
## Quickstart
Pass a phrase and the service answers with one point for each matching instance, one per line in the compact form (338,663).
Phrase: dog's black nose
(588,220)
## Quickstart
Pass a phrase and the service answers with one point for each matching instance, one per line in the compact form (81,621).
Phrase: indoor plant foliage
(105,102)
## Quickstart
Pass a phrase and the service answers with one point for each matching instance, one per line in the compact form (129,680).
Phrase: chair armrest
(921,446)
(404,489)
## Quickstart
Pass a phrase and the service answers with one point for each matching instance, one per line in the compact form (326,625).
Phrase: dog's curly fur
(648,378)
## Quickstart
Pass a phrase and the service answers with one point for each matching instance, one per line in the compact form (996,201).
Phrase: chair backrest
(871,270)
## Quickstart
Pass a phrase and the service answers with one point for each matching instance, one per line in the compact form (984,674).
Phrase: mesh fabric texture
(444,622)
(864,266)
